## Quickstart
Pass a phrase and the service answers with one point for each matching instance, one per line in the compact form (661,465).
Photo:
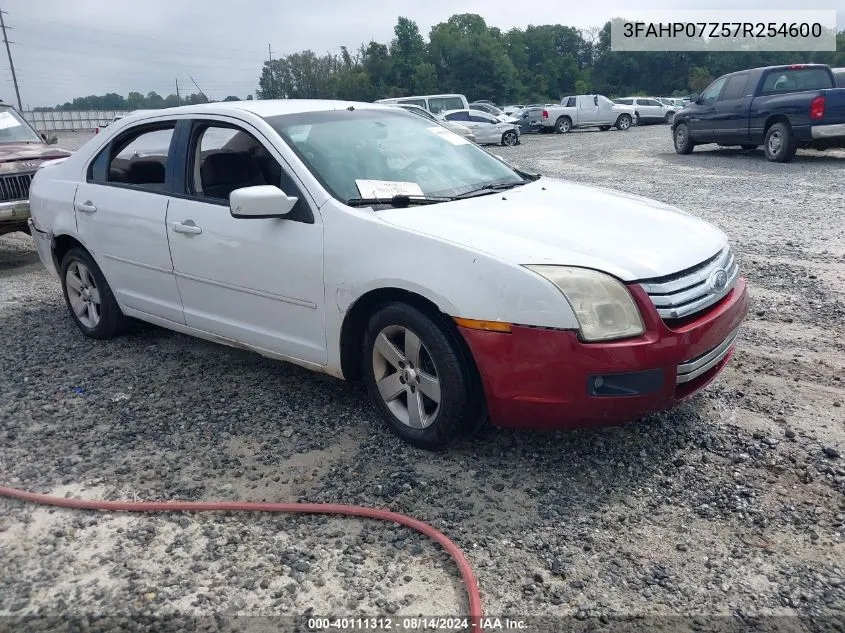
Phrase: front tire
(416,376)
(88,296)
(682,140)
(624,122)
(510,139)
(779,145)
(669,118)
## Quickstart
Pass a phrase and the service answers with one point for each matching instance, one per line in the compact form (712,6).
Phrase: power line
(11,63)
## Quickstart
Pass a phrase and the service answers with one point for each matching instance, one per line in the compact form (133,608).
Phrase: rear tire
(563,125)
(779,144)
(669,118)
(88,296)
(417,378)
(681,138)
(624,122)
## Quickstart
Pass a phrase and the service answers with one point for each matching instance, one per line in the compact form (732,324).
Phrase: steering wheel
(415,165)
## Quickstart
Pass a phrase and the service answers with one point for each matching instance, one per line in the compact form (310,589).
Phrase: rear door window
(796,80)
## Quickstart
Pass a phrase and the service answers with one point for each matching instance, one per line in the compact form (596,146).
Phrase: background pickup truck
(782,108)
(587,111)
(22,150)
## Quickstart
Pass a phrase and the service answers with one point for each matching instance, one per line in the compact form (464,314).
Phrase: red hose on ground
(257,506)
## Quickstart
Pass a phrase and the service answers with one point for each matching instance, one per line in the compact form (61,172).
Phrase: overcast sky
(68,48)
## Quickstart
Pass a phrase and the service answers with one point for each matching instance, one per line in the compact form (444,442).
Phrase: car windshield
(356,151)
(14,129)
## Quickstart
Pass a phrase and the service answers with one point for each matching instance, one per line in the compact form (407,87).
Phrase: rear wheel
(624,122)
(682,140)
(779,145)
(88,296)
(563,125)
(510,138)
(416,376)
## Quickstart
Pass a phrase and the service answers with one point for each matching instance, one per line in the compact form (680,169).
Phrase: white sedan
(488,129)
(361,241)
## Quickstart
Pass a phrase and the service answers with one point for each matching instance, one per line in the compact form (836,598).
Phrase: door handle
(184,227)
(85,207)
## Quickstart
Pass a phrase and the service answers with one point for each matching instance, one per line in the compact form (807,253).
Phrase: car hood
(561,223)
(25,157)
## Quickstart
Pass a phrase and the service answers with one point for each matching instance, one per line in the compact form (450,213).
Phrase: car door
(484,126)
(730,117)
(121,212)
(588,110)
(651,110)
(257,281)
(703,112)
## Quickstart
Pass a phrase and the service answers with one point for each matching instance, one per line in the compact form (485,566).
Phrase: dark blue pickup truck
(782,108)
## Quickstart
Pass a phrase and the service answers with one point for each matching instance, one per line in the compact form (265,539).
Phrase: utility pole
(11,64)
(178,98)
(272,74)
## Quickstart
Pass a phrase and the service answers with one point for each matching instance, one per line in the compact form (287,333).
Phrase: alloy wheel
(406,377)
(83,294)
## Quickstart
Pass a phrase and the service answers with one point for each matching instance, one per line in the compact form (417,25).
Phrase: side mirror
(694,97)
(260,201)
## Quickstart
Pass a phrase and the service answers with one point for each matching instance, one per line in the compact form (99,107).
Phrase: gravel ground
(732,505)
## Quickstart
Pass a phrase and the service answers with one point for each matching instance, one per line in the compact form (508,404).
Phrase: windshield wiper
(396,201)
(489,188)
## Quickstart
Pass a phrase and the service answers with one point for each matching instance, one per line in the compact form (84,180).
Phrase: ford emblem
(718,280)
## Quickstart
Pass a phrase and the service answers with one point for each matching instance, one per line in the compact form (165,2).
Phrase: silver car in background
(457,128)
(488,129)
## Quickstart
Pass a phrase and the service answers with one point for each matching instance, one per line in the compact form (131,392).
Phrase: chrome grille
(692,369)
(15,187)
(692,290)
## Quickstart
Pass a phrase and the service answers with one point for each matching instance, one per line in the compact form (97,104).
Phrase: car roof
(265,107)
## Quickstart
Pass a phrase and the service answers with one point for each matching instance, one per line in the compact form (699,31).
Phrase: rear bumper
(828,131)
(538,378)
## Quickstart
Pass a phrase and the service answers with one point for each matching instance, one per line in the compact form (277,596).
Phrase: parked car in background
(510,109)
(22,151)
(488,129)
(648,109)
(782,108)
(482,289)
(116,118)
(529,119)
(433,103)
(587,111)
(839,74)
(456,127)
(671,102)
(492,110)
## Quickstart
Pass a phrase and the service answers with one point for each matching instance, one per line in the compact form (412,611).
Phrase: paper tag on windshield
(449,135)
(7,120)
(386,189)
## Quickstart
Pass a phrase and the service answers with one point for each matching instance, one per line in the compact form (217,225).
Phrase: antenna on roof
(198,88)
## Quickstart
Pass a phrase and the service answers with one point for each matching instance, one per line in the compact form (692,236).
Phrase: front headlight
(603,306)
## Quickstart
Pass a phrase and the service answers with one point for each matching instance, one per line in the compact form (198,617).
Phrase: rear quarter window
(796,80)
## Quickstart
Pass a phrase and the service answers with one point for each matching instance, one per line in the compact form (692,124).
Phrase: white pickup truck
(588,111)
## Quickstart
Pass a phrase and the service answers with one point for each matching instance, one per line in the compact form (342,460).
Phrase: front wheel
(416,376)
(779,145)
(510,138)
(624,122)
(682,140)
(88,296)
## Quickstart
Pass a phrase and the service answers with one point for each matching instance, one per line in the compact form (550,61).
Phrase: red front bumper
(540,378)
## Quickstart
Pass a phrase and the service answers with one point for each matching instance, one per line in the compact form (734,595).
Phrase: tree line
(465,55)
(133,101)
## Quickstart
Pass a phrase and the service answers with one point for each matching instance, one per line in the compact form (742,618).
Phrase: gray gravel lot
(732,505)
